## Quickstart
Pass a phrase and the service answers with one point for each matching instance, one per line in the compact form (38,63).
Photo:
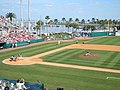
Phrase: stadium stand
(6,84)
(11,34)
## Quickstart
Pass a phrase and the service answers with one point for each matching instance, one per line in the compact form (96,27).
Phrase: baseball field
(65,65)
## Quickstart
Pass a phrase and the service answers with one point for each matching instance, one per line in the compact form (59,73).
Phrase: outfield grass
(106,41)
(54,77)
(106,59)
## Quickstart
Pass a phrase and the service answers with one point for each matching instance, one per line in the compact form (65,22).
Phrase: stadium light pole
(20,13)
(108,25)
(28,15)
(40,25)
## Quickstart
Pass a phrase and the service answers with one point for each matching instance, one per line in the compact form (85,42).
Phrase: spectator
(20,84)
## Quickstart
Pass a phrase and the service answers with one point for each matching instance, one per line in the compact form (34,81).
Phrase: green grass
(68,78)
(107,59)
(54,77)
(106,41)
(31,51)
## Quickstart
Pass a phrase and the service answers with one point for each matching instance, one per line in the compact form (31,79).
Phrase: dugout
(2,45)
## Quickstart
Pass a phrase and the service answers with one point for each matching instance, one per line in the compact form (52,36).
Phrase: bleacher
(12,35)
(6,84)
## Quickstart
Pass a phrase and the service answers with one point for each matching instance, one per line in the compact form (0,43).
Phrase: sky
(82,9)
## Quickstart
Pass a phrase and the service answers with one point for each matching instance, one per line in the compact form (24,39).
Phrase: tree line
(72,23)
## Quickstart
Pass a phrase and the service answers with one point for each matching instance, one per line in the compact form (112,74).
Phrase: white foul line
(112,78)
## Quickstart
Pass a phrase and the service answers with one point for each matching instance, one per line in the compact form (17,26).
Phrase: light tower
(20,14)
(28,15)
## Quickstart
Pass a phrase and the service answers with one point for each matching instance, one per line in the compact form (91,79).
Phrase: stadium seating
(12,34)
(6,84)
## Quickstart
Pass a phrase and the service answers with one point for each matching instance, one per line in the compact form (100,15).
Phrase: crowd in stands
(7,85)
(13,33)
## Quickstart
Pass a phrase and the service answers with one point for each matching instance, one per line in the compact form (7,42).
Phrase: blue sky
(82,9)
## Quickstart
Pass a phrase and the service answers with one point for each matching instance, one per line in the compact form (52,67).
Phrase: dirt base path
(80,67)
(36,59)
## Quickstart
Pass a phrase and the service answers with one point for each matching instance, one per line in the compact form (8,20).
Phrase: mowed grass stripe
(67,57)
(53,54)
(60,55)
(37,50)
(47,49)
(106,40)
(94,40)
(117,65)
(46,46)
(103,58)
(77,62)
(100,40)
(108,60)
(91,62)
(114,61)
(113,40)
(26,50)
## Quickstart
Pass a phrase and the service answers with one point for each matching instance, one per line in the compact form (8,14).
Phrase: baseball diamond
(65,57)
(59,45)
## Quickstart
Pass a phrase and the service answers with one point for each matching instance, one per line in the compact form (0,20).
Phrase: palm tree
(70,20)
(75,26)
(51,23)
(63,22)
(93,20)
(47,22)
(68,26)
(97,21)
(55,22)
(39,25)
(10,15)
(77,20)
(88,21)
(47,19)
(83,21)
(105,21)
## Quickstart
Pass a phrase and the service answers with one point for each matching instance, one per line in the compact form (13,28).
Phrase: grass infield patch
(106,59)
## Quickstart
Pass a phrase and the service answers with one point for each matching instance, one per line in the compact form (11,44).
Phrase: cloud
(74,6)
(49,5)
(102,3)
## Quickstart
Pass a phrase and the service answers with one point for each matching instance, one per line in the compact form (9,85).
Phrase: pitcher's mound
(89,56)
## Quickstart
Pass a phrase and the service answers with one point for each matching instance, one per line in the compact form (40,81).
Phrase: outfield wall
(24,43)
(96,34)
